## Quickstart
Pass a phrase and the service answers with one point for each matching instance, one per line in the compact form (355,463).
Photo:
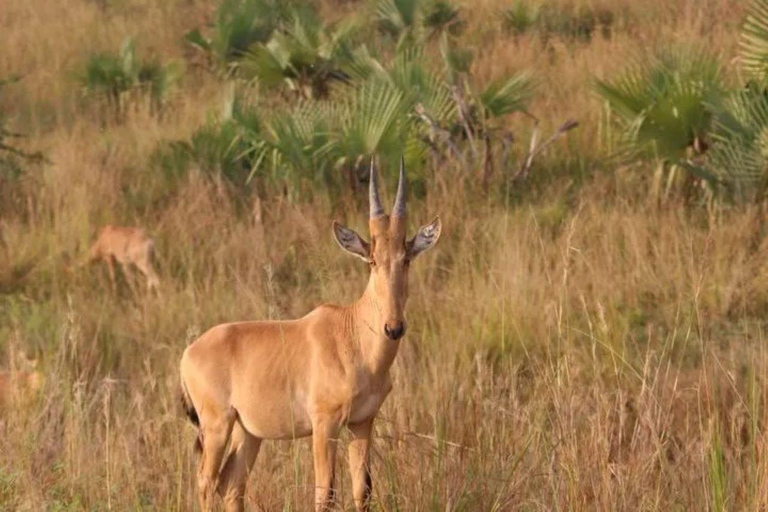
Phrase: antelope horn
(399,209)
(377,210)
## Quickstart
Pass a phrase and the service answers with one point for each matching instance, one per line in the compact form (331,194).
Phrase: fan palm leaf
(397,16)
(372,120)
(239,24)
(111,75)
(410,75)
(305,55)
(661,102)
(293,140)
(507,95)
(458,61)
(739,155)
(753,45)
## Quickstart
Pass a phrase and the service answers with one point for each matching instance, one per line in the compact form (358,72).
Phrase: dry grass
(580,349)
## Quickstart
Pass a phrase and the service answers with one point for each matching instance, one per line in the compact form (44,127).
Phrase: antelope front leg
(324,440)
(359,463)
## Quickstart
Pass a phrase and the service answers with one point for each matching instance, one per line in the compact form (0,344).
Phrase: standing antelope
(127,246)
(248,381)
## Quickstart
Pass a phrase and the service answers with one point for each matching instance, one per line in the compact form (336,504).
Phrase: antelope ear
(351,242)
(425,238)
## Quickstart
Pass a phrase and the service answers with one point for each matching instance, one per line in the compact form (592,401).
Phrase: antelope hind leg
(234,476)
(324,440)
(216,429)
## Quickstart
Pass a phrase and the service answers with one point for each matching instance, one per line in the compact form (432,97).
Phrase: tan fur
(129,247)
(249,381)
(20,383)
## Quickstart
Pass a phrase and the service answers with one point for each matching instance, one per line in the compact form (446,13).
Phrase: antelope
(245,382)
(128,246)
(20,382)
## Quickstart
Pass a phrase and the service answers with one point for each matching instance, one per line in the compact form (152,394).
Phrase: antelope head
(389,254)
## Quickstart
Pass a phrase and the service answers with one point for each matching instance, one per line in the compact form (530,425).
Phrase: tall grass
(573,346)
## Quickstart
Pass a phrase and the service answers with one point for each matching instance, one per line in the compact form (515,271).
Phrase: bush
(568,22)
(411,21)
(239,24)
(120,78)
(304,55)
(662,103)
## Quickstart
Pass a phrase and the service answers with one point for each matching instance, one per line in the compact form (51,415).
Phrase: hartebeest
(127,246)
(248,381)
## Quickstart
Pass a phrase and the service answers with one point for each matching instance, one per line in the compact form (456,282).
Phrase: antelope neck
(377,350)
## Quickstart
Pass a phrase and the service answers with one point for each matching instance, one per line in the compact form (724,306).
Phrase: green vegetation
(239,24)
(387,108)
(119,78)
(577,22)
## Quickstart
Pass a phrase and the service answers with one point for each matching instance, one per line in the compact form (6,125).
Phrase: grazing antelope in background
(248,381)
(20,382)
(127,246)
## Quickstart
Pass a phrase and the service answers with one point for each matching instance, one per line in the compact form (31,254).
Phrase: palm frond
(396,16)
(753,45)
(370,121)
(305,55)
(111,75)
(419,84)
(198,40)
(739,155)
(441,16)
(293,139)
(458,61)
(508,95)
(266,64)
(661,102)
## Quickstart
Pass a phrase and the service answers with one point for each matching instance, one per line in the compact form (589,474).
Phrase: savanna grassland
(581,338)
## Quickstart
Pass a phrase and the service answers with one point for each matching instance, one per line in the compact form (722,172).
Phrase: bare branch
(438,134)
(463,108)
(535,149)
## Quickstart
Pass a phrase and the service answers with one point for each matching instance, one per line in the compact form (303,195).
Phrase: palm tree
(304,55)
(291,146)
(753,46)
(479,115)
(663,105)
(225,146)
(411,21)
(739,154)
(112,76)
(378,111)
(371,121)
(239,24)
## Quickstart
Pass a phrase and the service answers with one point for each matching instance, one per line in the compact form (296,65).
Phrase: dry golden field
(574,344)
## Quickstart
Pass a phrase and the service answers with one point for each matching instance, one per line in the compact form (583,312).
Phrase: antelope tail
(191,413)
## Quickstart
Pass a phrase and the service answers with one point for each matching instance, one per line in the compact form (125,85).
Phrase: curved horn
(399,208)
(377,210)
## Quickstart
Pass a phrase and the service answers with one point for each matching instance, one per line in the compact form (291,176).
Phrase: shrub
(304,55)
(662,103)
(239,24)
(568,22)
(119,78)
(410,21)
